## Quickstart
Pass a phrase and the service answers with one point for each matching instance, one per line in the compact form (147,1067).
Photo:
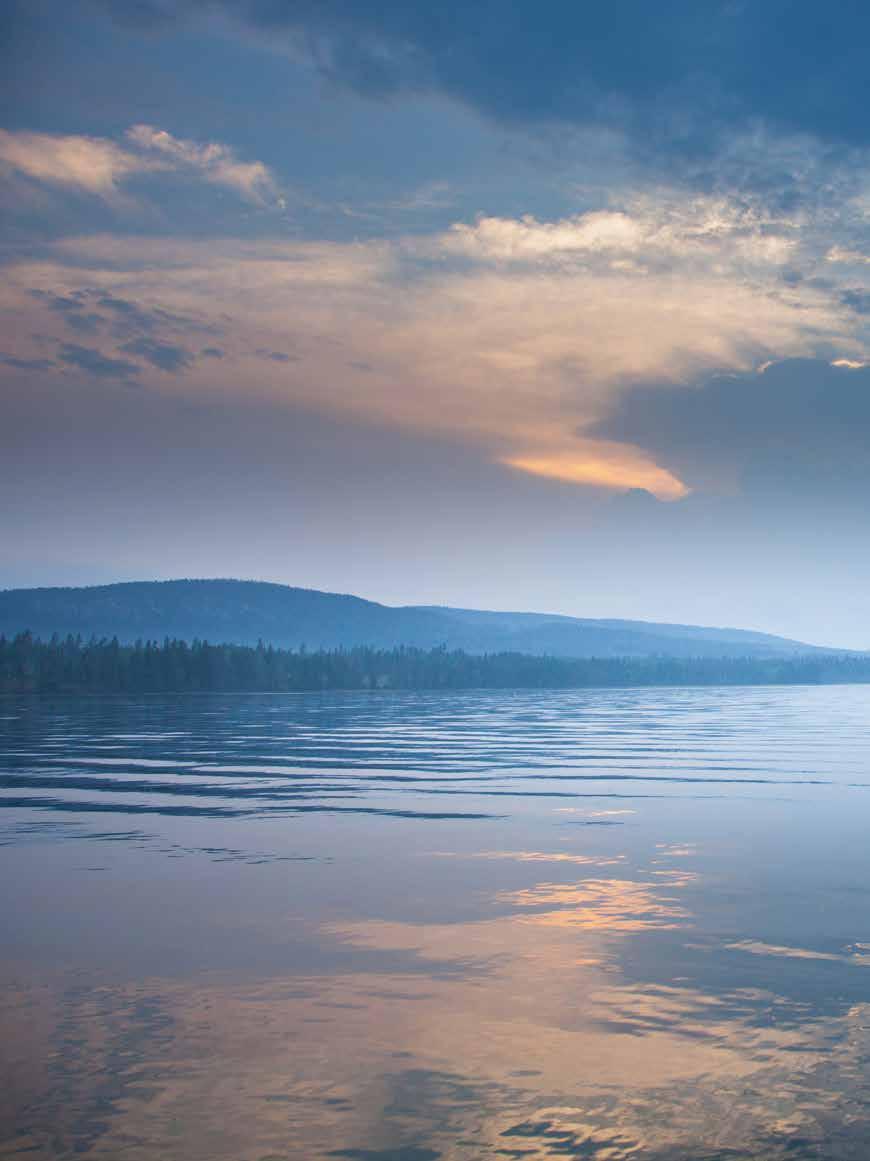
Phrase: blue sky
(549,306)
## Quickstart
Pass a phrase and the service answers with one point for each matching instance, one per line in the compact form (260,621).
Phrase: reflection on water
(611,925)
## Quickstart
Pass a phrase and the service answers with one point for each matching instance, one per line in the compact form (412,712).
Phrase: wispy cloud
(100,166)
(164,356)
(91,165)
(212,161)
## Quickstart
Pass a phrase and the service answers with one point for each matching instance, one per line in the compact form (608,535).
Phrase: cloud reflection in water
(391,982)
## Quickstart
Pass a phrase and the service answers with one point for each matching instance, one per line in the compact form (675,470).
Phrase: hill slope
(242,612)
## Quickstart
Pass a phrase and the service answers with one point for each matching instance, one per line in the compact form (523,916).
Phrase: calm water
(622,924)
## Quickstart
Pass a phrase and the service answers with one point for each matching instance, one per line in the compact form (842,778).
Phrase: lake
(622,924)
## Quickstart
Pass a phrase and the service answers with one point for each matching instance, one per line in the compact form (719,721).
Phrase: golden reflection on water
(514,1035)
(602,904)
(541,857)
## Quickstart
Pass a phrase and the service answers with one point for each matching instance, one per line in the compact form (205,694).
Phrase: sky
(555,306)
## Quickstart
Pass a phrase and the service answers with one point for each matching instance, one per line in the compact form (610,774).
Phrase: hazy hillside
(242,612)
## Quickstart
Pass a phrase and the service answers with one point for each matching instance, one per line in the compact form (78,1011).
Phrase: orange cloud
(618,473)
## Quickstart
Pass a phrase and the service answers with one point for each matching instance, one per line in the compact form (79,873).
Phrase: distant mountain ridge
(243,612)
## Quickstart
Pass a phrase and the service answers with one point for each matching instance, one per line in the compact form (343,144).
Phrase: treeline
(72,665)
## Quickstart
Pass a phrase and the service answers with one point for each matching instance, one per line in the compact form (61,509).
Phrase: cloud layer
(517,336)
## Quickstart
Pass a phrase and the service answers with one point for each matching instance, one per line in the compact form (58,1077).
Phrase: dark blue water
(613,925)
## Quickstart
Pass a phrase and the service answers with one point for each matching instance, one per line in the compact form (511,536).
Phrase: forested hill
(245,612)
(71,666)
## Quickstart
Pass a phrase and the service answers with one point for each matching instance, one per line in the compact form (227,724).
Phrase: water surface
(595,924)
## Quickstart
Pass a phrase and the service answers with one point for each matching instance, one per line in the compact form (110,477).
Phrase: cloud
(95,363)
(654,229)
(275,356)
(73,308)
(527,239)
(99,166)
(89,310)
(26,364)
(844,255)
(619,471)
(213,162)
(89,164)
(130,314)
(149,331)
(164,356)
